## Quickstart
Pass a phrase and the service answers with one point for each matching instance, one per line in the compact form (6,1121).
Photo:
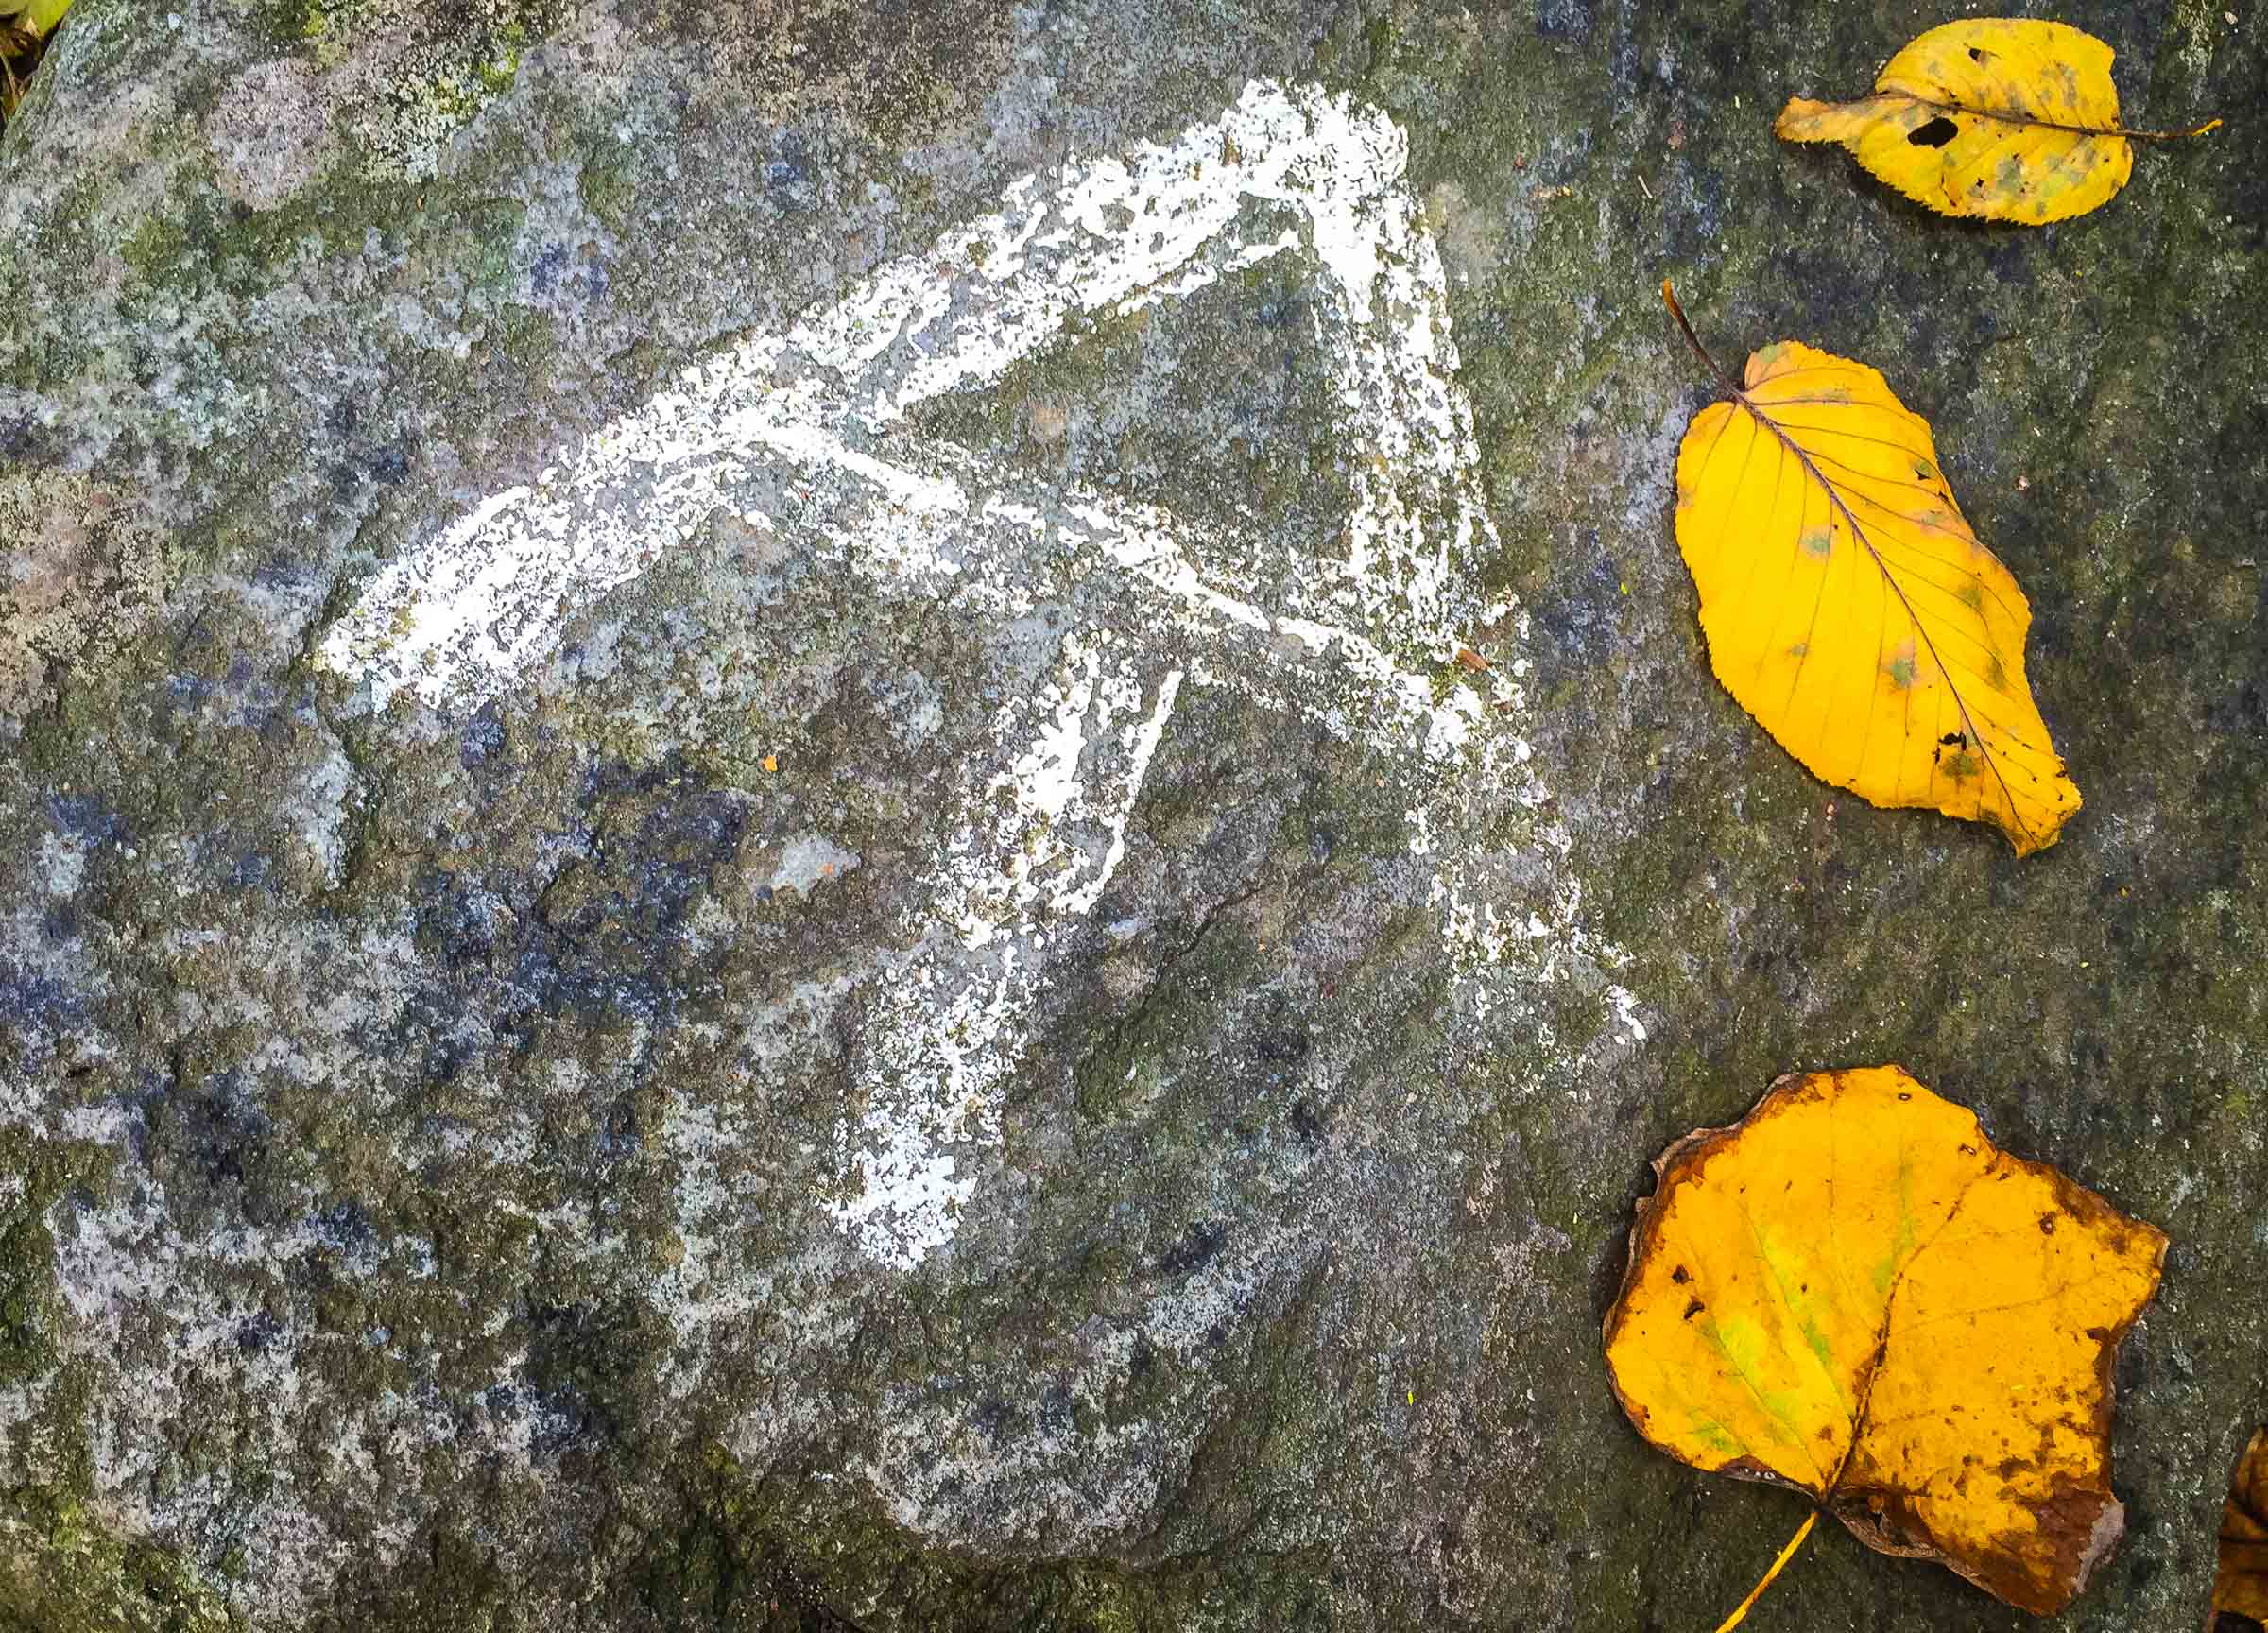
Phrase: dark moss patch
(762,1553)
(40,1172)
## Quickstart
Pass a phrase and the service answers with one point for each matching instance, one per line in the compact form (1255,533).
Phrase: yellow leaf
(35,17)
(1853,1293)
(2241,1586)
(1847,605)
(1996,117)
(25,26)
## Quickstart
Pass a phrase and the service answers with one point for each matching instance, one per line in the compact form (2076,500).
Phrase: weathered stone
(909,1063)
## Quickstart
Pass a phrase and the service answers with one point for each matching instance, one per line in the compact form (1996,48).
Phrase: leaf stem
(2169,135)
(1694,340)
(1740,1613)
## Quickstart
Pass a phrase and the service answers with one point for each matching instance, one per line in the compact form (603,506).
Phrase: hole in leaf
(1936,133)
(1977,55)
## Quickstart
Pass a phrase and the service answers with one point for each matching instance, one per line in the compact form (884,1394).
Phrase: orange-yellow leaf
(34,17)
(2241,1586)
(1848,605)
(1853,1293)
(2003,119)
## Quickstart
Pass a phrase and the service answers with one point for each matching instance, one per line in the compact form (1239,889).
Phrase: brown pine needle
(1741,1613)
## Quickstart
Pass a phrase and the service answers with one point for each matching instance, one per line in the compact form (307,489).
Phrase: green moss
(497,77)
(1168,1031)
(608,189)
(450,1585)
(332,214)
(1377,36)
(62,1571)
(38,1172)
(493,227)
(153,247)
(292,22)
(527,336)
(495,64)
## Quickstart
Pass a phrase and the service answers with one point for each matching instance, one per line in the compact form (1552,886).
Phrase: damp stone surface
(908,816)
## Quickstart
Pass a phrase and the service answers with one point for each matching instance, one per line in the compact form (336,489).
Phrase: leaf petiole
(1693,341)
(1740,1612)
(2167,135)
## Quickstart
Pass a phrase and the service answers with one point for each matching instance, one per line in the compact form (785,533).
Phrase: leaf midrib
(1968,721)
(1860,1419)
(1939,106)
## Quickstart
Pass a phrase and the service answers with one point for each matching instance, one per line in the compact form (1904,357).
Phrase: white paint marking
(1036,842)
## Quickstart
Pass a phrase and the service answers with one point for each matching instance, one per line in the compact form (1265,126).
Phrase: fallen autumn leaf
(2001,118)
(1852,1292)
(1847,603)
(2241,1584)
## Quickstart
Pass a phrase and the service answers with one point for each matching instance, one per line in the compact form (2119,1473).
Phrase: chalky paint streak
(1039,826)
(462,618)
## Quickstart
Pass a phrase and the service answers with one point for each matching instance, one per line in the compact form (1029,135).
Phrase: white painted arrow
(1346,641)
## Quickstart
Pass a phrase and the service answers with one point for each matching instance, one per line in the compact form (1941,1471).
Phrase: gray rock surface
(946,1008)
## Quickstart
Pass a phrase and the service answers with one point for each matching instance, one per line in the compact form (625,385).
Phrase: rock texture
(947,1007)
